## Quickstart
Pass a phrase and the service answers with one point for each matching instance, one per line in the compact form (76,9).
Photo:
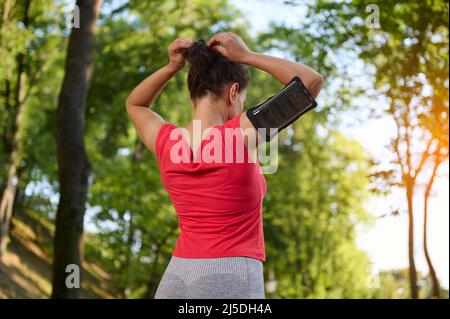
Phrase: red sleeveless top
(219,201)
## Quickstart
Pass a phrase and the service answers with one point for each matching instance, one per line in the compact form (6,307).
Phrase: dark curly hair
(210,71)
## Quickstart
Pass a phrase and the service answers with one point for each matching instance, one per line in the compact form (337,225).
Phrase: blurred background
(359,206)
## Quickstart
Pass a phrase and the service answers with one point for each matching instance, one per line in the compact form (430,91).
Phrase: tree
(440,131)
(436,122)
(73,164)
(311,212)
(314,202)
(426,197)
(126,187)
(12,137)
(29,40)
(410,55)
(302,219)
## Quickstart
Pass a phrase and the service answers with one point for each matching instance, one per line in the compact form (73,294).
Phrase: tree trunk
(434,279)
(73,164)
(13,130)
(412,264)
(6,9)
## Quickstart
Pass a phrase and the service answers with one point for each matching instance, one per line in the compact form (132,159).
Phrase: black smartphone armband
(282,109)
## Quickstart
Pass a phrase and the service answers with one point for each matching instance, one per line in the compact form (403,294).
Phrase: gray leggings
(212,278)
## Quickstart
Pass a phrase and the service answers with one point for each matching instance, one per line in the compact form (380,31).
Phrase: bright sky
(386,241)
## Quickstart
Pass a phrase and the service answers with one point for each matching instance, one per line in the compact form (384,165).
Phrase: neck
(211,112)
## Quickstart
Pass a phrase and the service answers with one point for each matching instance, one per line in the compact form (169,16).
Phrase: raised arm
(232,46)
(285,70)
(146,122)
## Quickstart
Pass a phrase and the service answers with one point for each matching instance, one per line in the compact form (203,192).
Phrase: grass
(25,269)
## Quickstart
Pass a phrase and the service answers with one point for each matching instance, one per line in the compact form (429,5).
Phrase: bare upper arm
(251,136)
(147,124)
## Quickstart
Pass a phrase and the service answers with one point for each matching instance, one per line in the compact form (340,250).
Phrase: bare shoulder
(147,124)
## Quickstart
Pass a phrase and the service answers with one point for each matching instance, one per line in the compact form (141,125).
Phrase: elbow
(132,103)
(316,84)
(320,80)
(128,104)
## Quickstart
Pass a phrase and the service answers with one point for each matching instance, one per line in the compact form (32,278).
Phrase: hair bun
(199,55)
(210,71)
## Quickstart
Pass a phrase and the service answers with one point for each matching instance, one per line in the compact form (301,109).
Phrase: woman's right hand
(231,46)
(175,53)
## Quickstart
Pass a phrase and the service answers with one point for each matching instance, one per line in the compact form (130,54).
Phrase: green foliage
(313,204)
(315,200)
(35,50)
(394,284)
(409,56)
(132,202)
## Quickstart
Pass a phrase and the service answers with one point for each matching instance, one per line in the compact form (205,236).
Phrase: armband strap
(282,109)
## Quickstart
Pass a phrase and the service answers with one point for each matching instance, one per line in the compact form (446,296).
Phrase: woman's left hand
(175,53)
(231,46)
